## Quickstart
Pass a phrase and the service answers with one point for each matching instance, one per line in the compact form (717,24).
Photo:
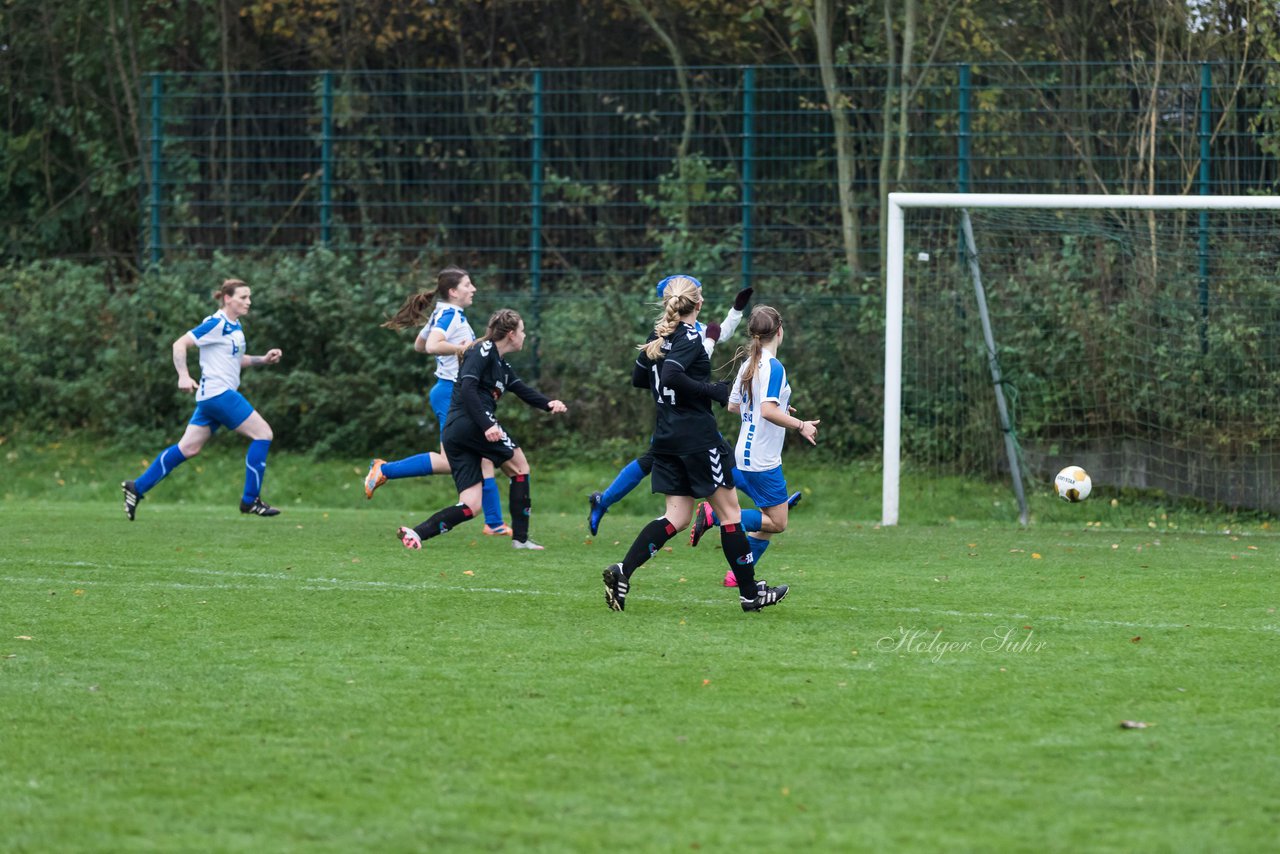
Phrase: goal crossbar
(894,272)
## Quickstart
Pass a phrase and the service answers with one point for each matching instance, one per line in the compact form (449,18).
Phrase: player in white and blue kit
(219,403)
(761,395)
(445,335)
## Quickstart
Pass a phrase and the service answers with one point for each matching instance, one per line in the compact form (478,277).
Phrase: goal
(1136,336)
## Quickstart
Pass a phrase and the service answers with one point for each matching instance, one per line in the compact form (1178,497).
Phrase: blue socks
(255,465)
(491,502)
(159,469)
(757,547)
(752,519)
(419,465)
(628,479)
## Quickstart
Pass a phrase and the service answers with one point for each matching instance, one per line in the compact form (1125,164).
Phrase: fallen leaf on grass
(1136,639)
(467,572)
(1134,725)
(22,637)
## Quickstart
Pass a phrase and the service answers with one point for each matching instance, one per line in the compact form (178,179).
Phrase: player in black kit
(691,459)
(472,432)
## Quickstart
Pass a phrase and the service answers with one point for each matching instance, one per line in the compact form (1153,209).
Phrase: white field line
(357,585)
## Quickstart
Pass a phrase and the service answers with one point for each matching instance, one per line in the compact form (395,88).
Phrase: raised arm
(724,330)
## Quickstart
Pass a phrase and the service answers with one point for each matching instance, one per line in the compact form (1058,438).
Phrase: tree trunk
(836,102)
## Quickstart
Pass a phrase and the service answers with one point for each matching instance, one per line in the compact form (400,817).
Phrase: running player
(690,457)
(445,335)
(631,475)
(472,433)
(218,402)
(761,394)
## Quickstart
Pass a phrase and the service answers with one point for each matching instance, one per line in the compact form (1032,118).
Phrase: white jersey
(450,320)
(760,441)
(221,344)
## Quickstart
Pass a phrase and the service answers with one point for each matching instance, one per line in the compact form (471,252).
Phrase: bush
(94,357)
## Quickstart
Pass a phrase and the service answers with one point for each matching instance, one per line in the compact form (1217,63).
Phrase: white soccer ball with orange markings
(1073,484)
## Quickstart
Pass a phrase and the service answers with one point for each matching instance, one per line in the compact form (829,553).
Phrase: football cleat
(702,520)
(258,508)
(794,498)
(409,538)
(615,587)
(131,498)
(499,530)
(765,596)
(730,580)
(527,544)
(597,512)
(374,478)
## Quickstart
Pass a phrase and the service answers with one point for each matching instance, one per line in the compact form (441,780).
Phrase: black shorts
(698,475)
(464,449)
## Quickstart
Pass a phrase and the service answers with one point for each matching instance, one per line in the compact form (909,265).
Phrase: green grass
(199,680)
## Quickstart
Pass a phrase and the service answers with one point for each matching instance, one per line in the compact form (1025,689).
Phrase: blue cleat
(597,512)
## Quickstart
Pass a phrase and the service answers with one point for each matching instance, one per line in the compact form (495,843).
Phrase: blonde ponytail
(680,298)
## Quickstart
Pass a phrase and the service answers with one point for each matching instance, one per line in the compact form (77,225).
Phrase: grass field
(199,680)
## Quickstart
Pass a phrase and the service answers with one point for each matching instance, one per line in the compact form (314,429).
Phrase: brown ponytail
(502,323)
(417,307)
(227,288)
(762,326)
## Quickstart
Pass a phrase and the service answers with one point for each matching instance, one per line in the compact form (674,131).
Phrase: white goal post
(894,272)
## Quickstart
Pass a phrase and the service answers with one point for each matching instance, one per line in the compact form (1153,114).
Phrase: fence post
(326,158)
(535,225)
(748,155)
(963,131)
(157,156)
(1206,108)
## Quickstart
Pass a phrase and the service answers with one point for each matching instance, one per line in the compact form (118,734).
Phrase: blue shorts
(440,396)
(765,488)
(228,409)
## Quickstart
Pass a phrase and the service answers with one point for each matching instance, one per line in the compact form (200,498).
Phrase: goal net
(1136,336)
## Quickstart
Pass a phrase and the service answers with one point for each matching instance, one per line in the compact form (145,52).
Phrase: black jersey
(482,380)
(685,423)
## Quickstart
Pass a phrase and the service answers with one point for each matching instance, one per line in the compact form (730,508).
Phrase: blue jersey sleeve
(205,326)
(777,378)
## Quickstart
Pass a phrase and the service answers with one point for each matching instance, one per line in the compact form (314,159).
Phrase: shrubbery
(92,355)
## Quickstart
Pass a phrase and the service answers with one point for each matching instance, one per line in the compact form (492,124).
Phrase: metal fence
(535,176)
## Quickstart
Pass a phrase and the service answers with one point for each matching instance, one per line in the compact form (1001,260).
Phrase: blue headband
(662,286)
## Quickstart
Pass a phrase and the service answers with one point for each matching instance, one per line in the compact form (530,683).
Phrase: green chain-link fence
(535,175)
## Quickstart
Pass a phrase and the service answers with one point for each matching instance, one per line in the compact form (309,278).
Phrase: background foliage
(95,358)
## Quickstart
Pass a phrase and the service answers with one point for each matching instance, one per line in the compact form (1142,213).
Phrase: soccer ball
(1073,484)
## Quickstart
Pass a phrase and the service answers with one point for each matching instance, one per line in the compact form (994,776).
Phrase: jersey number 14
(659,392)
